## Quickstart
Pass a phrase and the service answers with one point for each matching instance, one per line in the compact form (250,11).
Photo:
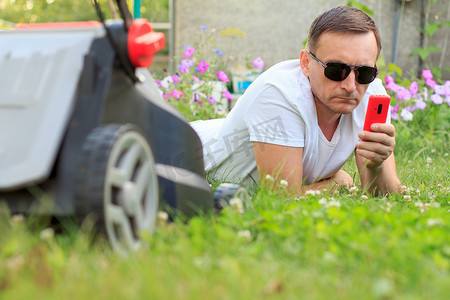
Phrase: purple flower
(258,63)
(421,105)
(447,88)
(227,95)
(177,94)
(222,76)
(202,66)
(437,99)
(197,98)
(427,74)
(394,110)
(189,52)
(187,63)
(439,89)
(211,100)
(203,28)
(413,88)
(218,51)
(431,83)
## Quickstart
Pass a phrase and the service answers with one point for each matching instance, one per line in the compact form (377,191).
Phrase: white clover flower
(434,222)
(269,178)
(364,197)
(429,160)
(310,193)
(47,234)
(162,218)
(445,154)
(18,219)
(245,234)
(422,206)
(388,207)
(323,201)
(407,197)
(237,205)
(353,190)
(284,183)
(333,203)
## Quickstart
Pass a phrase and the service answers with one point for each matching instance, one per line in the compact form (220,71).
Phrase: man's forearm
(381,180)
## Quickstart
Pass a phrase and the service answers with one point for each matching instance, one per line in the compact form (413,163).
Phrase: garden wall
(276,30)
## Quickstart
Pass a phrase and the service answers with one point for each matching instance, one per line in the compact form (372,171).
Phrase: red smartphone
(377,110)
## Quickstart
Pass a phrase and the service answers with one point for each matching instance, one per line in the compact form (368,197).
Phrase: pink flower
(227,95)
(196,78)
(427,74)
(176,78)
(403,94)
(393,86)
(177,94)
(437,99)
(389,79)
(222,76)
(165,96)
(414,88)
(431,83)
(184,70)
(202,66)
(189,52)
(211,100)
(258,63)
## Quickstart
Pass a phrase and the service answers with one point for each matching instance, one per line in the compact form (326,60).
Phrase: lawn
(344,246)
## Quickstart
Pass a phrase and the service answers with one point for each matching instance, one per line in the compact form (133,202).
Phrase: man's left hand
(376,146)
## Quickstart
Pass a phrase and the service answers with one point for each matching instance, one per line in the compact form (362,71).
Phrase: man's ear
(304,62)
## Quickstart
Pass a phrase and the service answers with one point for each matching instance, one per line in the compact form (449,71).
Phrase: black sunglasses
(339,71)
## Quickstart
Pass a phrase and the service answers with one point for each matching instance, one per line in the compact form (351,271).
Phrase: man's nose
(349,83)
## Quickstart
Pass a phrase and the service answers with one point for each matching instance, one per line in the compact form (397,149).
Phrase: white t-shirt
(278,108)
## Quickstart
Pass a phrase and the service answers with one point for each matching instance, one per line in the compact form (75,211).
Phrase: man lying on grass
(302,119)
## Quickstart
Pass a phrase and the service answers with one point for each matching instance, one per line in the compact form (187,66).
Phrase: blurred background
(414,33)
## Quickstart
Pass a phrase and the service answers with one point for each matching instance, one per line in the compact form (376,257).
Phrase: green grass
(315,247)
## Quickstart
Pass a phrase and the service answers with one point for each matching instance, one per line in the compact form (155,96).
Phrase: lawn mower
(84,129)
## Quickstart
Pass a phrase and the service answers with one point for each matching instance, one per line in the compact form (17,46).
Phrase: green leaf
(431,29)
(394,68)
(423,53)
(360,6)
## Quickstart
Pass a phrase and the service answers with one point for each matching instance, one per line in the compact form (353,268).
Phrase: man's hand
(375,159)
(342,178)
(376,146)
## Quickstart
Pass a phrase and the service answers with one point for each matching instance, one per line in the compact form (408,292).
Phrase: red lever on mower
(143,43)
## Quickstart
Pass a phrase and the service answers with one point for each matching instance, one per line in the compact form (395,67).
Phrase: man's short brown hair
(342,19)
